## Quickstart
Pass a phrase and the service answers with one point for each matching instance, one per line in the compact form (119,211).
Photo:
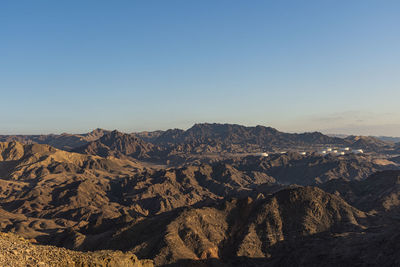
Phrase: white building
(358,151)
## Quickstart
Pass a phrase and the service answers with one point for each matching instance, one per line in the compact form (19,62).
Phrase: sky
(73,66)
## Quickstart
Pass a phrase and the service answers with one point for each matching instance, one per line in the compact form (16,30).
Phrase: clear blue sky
(72,66)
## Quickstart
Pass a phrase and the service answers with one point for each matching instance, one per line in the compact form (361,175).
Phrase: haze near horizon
(329,66)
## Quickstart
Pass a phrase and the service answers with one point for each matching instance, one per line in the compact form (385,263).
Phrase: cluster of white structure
(341,151)
(327,151)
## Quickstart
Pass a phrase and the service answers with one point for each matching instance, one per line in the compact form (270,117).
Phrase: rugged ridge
(238,228)
(226,136)
(201,139)
(63,141)
(118,144)
(379,192)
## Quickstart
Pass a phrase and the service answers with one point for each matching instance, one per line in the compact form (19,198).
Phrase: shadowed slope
(379,192)
(244,227)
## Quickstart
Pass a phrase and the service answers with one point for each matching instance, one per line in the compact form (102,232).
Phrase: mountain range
(200,142)
(206,196)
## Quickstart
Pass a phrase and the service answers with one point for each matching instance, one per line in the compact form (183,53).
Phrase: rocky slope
(379,193)
(249,228)
(118,144)
(43,189)
(293,168)
(368,143)
(18,252)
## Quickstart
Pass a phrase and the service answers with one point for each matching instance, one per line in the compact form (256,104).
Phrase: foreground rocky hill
(237,228)
(293,227)
(16,251)
(300,226)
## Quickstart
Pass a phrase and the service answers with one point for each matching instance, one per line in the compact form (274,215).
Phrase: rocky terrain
(63,141)
(203,142)
(114,200)
(122,145)
(307,222)
(16,251)
(368,142)
(378,193)
(44,190)
(238,228)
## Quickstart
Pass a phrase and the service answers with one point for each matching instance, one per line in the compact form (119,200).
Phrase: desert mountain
(119,144)
(367,142)
(296,226)
(249,228)
(236,138)
(235,211)
(201,143)
(205,143)
(379,192)
(59,189)
(63,141)
(312,169)
(389,139)
(43,189)
(149,136)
